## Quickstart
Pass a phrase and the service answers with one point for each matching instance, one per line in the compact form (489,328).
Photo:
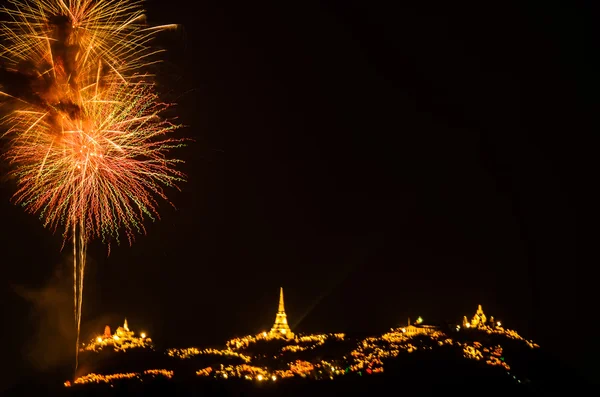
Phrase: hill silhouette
(426,363)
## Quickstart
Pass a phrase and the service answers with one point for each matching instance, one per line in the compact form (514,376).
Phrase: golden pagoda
(479,319)
(124,332)
(281,329)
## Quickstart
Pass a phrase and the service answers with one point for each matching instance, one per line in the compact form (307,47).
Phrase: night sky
(377,163)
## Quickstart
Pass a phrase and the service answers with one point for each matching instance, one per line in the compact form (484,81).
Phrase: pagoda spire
(281,328)
(281,306)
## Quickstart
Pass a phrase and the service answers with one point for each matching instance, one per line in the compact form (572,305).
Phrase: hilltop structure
(418,329)
(281,329)
(121,340)
(124,332)
(480,320)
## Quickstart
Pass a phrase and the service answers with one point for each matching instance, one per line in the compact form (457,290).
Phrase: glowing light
(193,351)
(98,378)
(122,340)
(259,377)
(143,334)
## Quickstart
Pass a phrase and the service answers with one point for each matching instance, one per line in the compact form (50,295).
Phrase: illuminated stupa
(480,320)
(281,329)
(124,332)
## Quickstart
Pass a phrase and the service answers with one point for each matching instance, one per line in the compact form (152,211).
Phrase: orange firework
(86,142)
(46,37)
(100,168)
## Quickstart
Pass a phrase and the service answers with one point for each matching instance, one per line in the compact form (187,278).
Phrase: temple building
(480,320)
(281,329)
(419,329)
(124,332)
(121,340)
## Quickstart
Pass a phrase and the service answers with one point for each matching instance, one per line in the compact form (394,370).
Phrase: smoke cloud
(52,343)
(31,83)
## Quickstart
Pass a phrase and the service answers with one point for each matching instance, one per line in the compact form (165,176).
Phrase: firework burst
(86,142)
(103,167)
(62,42)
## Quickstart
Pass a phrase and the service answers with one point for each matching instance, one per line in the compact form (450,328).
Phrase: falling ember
(86,142)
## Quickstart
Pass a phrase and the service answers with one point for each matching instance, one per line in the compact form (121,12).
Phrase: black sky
(377,163)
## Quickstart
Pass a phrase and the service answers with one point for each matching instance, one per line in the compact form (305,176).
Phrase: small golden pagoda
(479,319)
(124,332)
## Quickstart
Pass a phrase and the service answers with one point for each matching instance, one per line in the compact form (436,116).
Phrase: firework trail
(86,142)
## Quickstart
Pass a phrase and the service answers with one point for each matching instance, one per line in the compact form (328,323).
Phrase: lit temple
(122,340)
(480,320)
(419,328)
(281,329)
(124,332)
